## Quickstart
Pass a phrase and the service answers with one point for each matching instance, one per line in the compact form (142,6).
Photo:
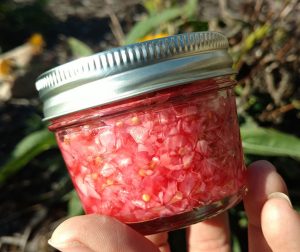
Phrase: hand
(273,224)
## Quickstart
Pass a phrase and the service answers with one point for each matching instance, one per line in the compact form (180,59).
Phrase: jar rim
(132,70)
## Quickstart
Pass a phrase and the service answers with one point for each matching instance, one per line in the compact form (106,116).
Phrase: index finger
(262,179)
(212,235)
(160,240)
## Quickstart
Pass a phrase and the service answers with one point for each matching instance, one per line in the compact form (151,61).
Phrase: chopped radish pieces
(169,158)
(107,170)
(139,133)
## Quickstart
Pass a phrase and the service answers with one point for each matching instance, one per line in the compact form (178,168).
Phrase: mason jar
(149,131)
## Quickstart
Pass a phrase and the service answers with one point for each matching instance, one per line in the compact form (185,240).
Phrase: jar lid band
(132,70)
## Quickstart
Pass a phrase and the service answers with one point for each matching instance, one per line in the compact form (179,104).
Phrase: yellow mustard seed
(109,182)
(67,139)
(98,160)
(153,163)
(119,123)
(146,197)
(94,175)
(182,151)
(148,172)
(142,172)
(178,196)
(135,120)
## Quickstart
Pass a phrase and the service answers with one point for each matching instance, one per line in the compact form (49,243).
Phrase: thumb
(280,223)
(92,233)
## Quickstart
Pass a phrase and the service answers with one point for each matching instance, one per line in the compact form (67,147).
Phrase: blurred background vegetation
(35,190)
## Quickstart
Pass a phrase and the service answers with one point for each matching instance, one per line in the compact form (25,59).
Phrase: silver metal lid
(132,70)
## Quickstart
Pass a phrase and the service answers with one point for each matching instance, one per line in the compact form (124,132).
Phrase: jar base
(166,224)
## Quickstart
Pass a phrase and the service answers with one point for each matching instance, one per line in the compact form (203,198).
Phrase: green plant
(155,19)
(78,48)
(27,149)
(269,142)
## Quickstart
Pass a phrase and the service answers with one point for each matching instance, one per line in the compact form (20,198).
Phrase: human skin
(273,225)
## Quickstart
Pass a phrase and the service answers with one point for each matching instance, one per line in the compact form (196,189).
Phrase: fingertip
(97,231)
(261,166)
(280,223)
(280,195)
(69,246)
(210,235)
(60,238)
(275,210)
(262,180)
(160,240)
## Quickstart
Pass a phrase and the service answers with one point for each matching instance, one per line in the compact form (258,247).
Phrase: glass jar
(149,131)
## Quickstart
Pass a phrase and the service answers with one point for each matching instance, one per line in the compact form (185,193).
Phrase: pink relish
(158,155)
